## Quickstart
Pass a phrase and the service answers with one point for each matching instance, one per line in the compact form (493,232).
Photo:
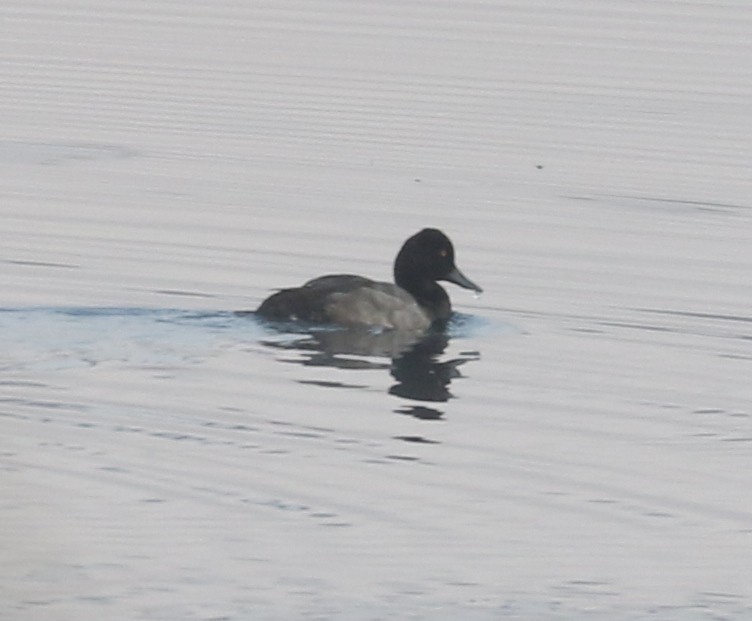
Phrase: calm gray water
(577,446)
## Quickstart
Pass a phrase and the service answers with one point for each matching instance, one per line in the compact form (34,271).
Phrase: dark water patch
(698,315)
(128,429)
(283,423)
(588,330)
(57,153)
(716,595)
(283,505)
(655,203)
(588,587)
(23,383)
(403,457)
(230,426)
(114,469)
(40,264)
(659,514)
(416,439)
(462,583)
(326,384)
(180,437)
(339,362)
(696,205)
(95,599)
(324,517)
(39,404)
(421,412)
(300,434)
(183,293)
(636,326)
(42,602)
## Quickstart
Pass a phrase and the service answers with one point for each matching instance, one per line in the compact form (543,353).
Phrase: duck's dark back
(310,302)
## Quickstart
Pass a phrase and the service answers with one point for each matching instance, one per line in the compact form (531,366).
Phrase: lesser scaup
(415,302)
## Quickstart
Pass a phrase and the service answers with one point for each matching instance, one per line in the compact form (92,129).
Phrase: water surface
(577,446)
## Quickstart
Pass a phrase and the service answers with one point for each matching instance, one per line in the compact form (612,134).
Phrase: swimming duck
(415,302)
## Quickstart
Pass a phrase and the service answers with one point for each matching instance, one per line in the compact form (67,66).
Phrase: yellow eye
(443,253)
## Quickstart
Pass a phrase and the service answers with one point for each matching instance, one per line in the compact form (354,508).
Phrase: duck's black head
(427,257)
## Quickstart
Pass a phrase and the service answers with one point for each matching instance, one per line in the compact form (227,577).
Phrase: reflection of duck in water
(420,375)
(415,365)
(414,303)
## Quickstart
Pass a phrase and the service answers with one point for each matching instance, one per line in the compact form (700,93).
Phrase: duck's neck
(430,296)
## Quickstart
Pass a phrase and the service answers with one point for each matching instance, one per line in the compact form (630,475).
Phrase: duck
(414,302)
